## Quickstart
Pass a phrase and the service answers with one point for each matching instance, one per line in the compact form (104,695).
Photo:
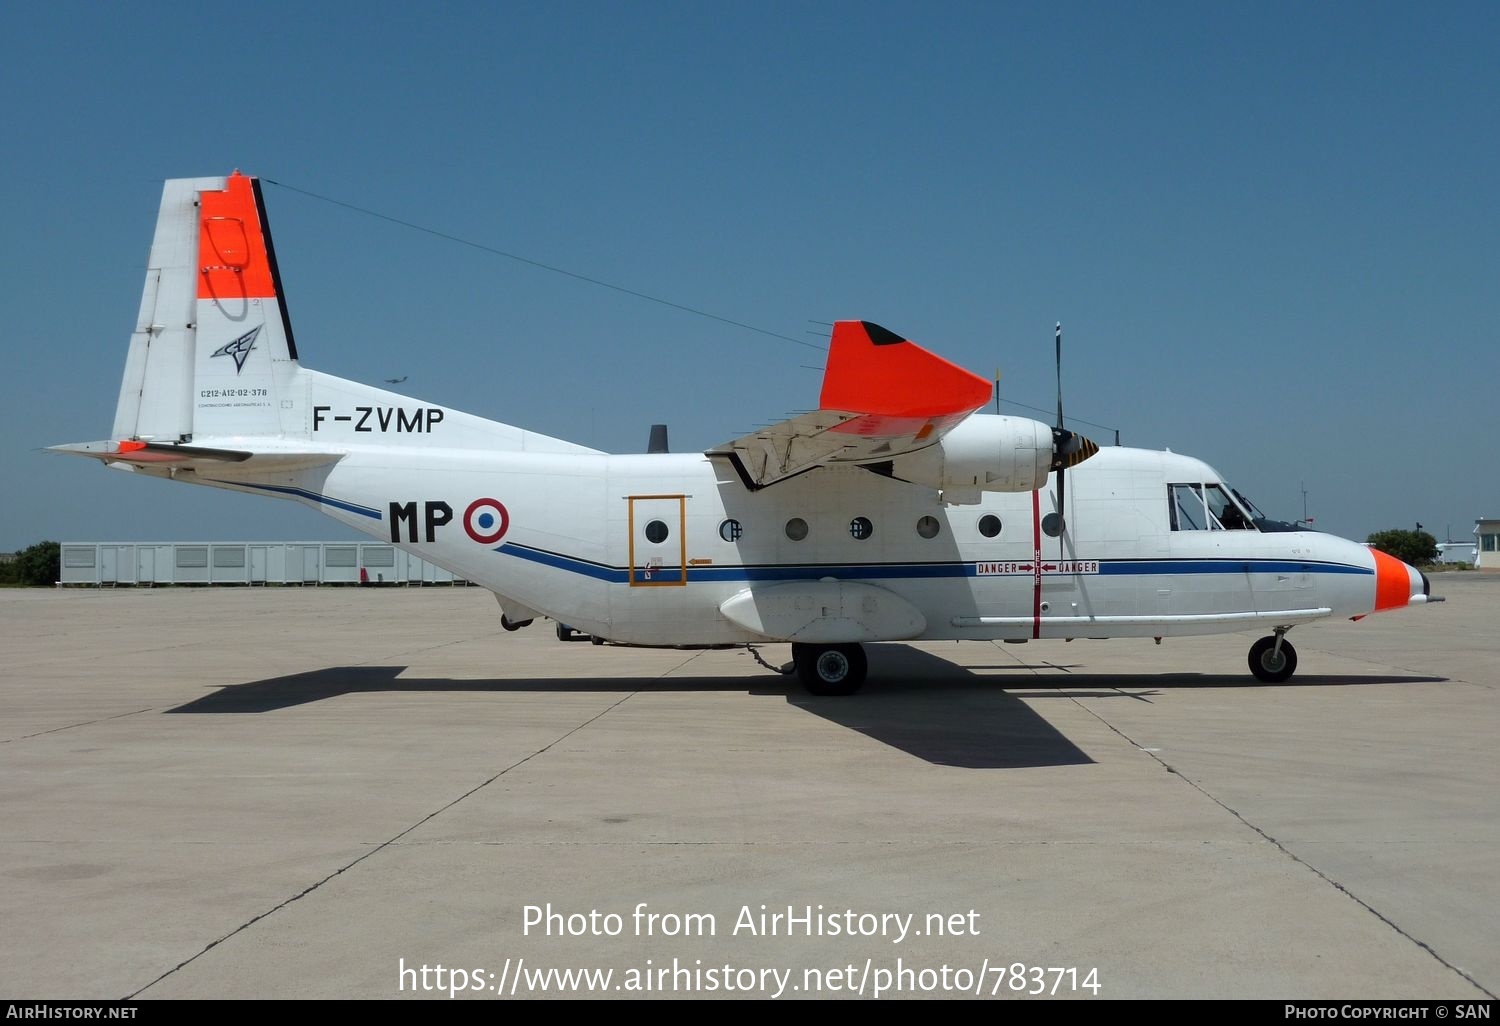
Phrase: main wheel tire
(1269,666)
(830,670)
(564,632)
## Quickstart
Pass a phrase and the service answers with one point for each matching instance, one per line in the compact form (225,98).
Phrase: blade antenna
(1062,471)
(1059,376)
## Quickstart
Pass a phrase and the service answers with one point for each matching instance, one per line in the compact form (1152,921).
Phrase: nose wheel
(1273,660)
(830,669)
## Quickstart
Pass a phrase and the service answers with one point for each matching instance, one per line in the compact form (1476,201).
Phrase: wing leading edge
(882,396)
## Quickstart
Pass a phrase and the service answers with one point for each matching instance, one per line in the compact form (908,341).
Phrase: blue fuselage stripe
(598,571)
(915,571)
(1225,566)
(324,500)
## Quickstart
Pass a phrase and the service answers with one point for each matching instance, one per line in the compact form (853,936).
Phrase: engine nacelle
(985,453)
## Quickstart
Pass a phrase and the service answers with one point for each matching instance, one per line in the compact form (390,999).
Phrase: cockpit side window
(1186,504)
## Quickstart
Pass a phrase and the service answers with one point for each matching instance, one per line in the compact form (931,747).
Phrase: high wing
(883,396)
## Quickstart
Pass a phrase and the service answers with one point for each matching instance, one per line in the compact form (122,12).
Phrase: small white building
(1457,552)
(147,564)
(1487,540)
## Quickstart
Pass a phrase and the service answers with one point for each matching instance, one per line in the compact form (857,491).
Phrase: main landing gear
(566,633)
(1273,659)
(830,669)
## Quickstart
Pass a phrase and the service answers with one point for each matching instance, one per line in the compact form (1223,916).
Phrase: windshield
(1264,522)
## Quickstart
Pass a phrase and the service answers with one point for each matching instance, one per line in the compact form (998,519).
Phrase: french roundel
(486,521)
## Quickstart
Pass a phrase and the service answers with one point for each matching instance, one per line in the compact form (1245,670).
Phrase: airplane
(895,511)
(396,381)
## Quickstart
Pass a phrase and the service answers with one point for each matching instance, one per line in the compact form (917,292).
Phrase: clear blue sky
(1272,232)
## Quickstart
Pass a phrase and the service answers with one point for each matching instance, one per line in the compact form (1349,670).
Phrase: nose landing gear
(1273,660)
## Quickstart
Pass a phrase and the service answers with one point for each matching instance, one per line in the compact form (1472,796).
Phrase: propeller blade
(1068,447)
(1062,507)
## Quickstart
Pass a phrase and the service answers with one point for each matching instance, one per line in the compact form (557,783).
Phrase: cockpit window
(1227,515)
(1264,523)
(1198,507)
(1188,512)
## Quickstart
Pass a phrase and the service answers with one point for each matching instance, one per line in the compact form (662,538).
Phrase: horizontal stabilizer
(182,456)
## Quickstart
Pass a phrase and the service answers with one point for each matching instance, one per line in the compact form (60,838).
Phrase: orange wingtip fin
(873,370)
(132,446)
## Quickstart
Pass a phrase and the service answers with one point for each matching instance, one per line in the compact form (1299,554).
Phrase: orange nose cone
(1393,581)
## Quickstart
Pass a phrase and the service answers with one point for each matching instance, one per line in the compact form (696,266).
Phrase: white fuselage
(893,511)
(641,549)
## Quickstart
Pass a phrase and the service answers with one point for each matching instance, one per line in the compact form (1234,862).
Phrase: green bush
(41,564)
(1414,547)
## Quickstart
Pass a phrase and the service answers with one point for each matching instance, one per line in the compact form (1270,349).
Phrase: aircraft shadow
(945,714)
(1068,687)
(913,701)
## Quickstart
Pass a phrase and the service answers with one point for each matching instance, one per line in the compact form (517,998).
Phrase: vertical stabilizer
(212,353)
(213,366)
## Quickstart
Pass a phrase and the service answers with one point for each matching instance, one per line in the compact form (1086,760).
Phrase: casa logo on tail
(239,348)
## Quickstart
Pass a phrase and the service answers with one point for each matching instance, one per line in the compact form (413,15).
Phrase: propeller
(1068,447)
